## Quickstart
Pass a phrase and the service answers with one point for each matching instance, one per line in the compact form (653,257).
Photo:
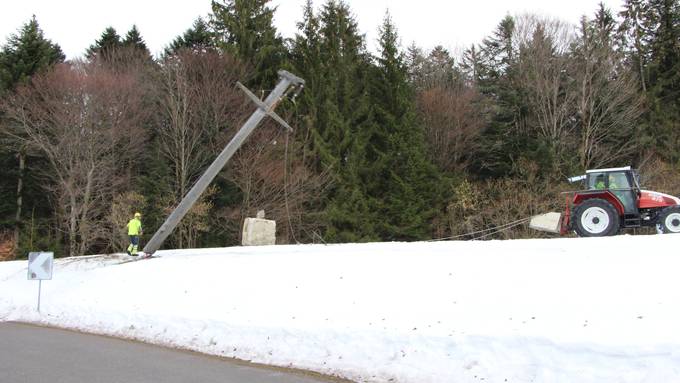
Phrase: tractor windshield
(618,180)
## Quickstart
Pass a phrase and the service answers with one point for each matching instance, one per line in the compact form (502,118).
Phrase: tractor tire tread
(614,217)
(661,219)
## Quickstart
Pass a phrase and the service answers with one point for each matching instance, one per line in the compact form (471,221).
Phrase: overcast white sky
(76,24)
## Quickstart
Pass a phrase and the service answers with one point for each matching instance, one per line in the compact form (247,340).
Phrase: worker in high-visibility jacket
(134,228)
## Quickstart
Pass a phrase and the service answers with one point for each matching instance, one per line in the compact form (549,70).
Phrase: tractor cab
(622,183)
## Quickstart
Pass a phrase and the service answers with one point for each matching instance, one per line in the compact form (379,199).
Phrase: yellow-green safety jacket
(134,227)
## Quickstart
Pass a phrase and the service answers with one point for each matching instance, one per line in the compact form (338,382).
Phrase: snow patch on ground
(562,310)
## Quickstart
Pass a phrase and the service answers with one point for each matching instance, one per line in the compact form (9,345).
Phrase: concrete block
(549,222)
(258,232)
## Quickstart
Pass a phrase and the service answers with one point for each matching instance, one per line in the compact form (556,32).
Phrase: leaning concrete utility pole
(287,82)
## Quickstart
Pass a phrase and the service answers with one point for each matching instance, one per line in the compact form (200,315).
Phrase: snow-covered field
(561,310)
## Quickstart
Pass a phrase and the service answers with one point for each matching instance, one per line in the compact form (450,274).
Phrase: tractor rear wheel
(669,220)
(596,218)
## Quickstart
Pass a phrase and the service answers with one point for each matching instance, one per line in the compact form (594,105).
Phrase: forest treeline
(400,144)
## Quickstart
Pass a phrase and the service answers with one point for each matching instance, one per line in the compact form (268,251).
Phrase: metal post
(265,108)
(39,291)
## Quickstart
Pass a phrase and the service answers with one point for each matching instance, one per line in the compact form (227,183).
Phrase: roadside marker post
(40,266)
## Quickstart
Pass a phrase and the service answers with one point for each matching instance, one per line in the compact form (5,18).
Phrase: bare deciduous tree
(86,121)
(200,107)
(454,119)
(608,103)
(542,74)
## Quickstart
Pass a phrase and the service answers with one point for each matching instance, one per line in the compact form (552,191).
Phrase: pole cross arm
(295,82)
(269,111)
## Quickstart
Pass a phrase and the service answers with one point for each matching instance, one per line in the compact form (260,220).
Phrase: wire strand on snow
(488,232)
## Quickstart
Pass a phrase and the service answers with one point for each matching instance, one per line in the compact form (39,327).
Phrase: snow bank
(562,310)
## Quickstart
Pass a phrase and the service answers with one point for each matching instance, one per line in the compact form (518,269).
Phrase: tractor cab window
(596,181)
(618,180)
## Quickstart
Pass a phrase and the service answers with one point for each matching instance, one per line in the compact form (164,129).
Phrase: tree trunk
(640,53)
(20,185)
(83,225)
(72,245)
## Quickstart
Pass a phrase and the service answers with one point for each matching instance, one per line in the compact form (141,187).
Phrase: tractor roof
(609,170)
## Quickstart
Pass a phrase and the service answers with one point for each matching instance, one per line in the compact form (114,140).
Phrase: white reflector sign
(40,266)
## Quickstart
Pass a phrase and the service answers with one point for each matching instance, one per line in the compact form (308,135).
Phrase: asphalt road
(30,354)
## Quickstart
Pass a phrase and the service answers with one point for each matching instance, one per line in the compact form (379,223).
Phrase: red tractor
(613,200)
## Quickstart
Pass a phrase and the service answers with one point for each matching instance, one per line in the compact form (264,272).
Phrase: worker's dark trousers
(134,242)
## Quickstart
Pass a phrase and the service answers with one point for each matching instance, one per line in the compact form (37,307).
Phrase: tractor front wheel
(596,218)
(669,220)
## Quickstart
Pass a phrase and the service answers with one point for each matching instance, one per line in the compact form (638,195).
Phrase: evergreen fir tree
(415,62)
(604,27)
(345,69)
(663,22)
(496,68)
(245,28)
(25,54)
(306,59)
(103,47)
(330,54)
(198,38)
(134,39)
(305,52)
(439,69)
(497,55)
(632,32)
(470,65)
(404,184)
